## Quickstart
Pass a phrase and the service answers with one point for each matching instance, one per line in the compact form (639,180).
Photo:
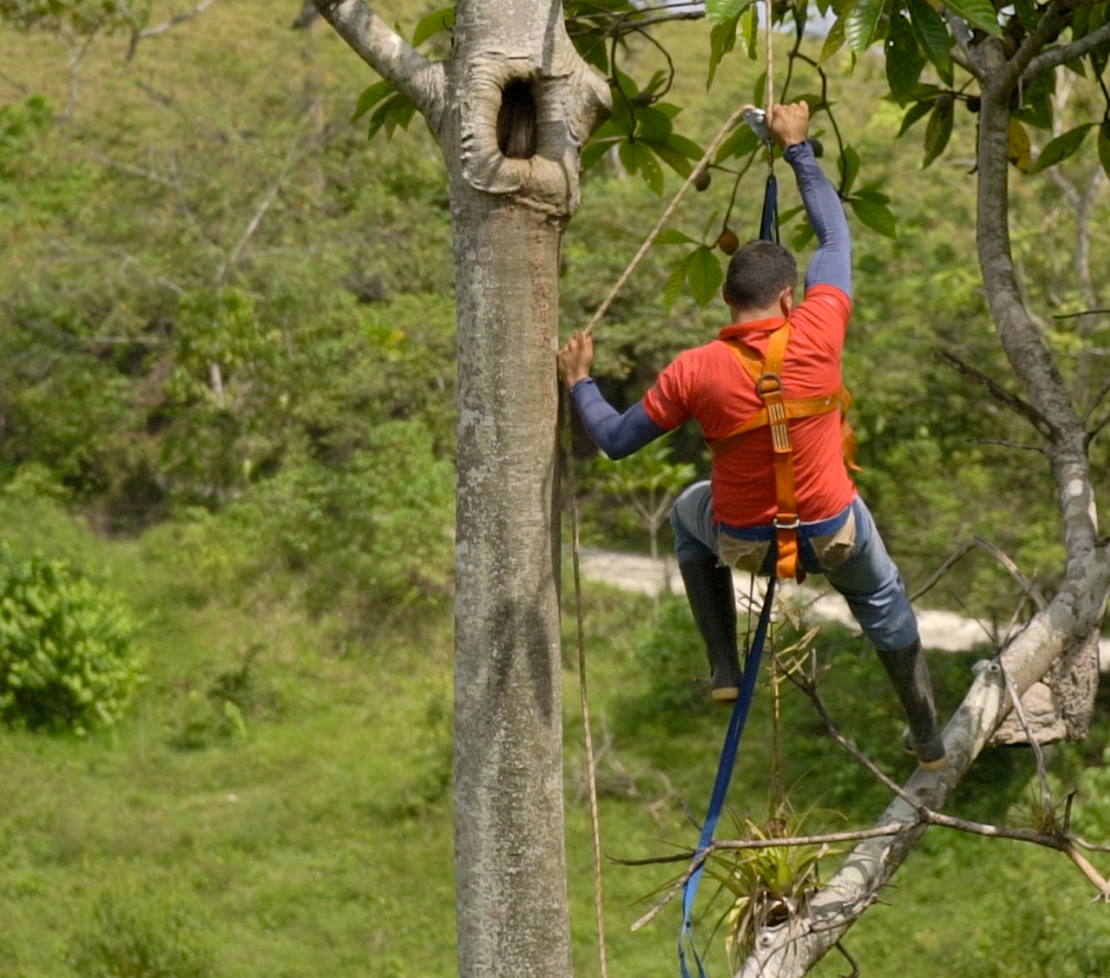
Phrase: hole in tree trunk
(516,121)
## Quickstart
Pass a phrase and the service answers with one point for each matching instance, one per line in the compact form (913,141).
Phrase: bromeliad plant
(767,885)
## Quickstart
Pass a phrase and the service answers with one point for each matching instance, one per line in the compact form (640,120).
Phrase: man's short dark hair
(757,273)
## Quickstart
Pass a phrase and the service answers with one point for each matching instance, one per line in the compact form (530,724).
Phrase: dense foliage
(67,659)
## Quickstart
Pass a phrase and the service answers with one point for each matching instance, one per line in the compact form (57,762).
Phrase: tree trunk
(511,109)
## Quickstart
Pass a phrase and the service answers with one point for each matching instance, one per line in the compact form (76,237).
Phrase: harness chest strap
(777,410)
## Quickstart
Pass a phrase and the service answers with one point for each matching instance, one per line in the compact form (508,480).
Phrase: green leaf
(1104,146)
(862,22)
(687,147)
(786,216)
(978,13)
(1027,13)
(371,97)
(670,236)
(593,51)
(749,30)
(722,11)
(932,35)
(848,167)
(637,158)
(1038,99)
(939,130)
(431,24)
(674,283)
(802,236)
(835,39)
(595,149)
(722,39)
(916,112)
(760,89)
(904,60)
(875,215)
(740,143)
(1060,148)
(672,157)
(872,192)
(654,126)
(705,274)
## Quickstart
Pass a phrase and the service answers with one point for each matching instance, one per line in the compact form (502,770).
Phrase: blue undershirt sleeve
(616,434)
(831,264)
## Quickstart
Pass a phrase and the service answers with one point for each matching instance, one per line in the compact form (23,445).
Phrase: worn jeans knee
(695,535)
(870,583)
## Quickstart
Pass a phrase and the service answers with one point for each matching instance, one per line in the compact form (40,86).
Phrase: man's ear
(724,295)
(786,300)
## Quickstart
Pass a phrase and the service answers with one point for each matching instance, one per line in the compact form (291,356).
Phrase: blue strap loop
(724,775)
(769,220)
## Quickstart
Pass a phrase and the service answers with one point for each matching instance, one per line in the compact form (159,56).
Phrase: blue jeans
(868,579)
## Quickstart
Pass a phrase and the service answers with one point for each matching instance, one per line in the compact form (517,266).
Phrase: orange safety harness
(777,411)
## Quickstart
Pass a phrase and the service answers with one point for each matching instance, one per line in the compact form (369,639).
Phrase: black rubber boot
(713,601)
(909,674)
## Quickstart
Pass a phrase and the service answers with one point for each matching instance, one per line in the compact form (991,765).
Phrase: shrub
(66,655)
(137,935)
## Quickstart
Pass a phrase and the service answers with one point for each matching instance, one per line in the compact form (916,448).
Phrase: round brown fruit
(702,181)
(728,242)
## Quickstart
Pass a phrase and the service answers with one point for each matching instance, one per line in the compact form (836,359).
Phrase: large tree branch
(791,949)
(1046,30)
(1068,52)
(414,76)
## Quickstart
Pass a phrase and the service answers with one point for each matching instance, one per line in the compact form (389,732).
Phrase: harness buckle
(768,383)
(792,525)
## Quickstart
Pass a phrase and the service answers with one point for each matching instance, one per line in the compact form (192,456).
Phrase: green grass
(318,841)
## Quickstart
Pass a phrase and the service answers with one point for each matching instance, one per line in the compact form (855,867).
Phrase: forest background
(226,392)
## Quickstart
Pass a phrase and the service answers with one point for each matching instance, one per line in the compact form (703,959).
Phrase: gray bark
(511,195)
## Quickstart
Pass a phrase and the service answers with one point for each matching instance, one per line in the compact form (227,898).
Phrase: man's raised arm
(831,264)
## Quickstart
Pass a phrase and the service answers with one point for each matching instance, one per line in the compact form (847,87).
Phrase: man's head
(762,277)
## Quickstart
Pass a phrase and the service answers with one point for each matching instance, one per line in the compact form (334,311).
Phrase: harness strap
(736,722)
(798,407)
(769,389)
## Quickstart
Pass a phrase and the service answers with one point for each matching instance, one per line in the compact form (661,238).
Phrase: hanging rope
(715,145)
(591,765)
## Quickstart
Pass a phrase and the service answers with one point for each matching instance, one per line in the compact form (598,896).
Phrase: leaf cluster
(67,655)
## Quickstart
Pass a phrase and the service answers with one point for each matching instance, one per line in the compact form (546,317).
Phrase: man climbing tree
(741,516)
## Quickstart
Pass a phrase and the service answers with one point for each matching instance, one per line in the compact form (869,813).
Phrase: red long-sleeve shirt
(710,386)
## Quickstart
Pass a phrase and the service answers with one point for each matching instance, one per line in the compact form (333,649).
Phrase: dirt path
(943,631)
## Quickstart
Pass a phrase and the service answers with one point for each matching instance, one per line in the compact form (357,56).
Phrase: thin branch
(133,170)
(1089,871)
(18,86)
(1085,312)
(1046,30)
(422,81)
(1096,400)
(137,36)
(1002,558)
(1003,396)
(1008,444)
(965,57)
(1099,425)
(1062,55)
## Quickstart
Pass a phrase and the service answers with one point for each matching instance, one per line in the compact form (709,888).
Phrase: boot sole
(726,695)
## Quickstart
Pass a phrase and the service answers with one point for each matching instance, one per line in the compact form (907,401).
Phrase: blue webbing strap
(724,775)
(769,220)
